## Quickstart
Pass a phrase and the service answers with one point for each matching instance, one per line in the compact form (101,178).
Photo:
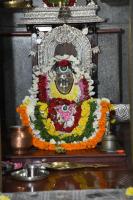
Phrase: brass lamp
(109,140)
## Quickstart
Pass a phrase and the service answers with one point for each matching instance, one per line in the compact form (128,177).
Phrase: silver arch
(65,34)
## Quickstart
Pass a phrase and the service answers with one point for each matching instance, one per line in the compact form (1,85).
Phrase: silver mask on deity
(64,79)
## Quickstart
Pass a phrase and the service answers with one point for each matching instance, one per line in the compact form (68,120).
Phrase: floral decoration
(74,120)
(88,132)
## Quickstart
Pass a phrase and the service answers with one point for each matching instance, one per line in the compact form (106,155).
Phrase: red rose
(64,63)
(58,127)
(42,84)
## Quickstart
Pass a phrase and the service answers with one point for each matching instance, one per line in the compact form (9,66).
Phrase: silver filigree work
(61,35)
(49,15)
(122,112)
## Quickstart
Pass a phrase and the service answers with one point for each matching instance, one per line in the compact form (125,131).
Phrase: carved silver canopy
(65,35)
(49,15)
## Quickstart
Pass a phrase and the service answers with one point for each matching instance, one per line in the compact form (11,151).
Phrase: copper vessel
(20,139)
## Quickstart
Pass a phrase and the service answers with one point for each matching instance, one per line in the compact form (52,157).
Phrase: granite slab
(91,194)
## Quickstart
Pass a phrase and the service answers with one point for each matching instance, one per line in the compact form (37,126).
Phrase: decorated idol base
(60,109)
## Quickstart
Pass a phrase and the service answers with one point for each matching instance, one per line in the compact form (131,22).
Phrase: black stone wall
(16,69)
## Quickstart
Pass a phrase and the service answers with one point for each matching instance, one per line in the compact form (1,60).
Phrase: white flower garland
(80,73)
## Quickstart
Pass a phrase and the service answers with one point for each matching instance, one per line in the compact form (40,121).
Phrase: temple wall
(112,62)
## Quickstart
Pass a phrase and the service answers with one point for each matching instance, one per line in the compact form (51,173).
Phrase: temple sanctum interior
(66,99)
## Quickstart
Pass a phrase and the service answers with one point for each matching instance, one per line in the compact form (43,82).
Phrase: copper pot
(20,139)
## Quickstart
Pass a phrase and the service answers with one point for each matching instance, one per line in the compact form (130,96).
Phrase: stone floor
(92,194)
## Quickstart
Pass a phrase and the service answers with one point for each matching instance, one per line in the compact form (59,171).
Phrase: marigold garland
(75,120)
(49,125)
(89,143)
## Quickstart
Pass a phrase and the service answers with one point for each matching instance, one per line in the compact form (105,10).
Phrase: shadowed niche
(65,48)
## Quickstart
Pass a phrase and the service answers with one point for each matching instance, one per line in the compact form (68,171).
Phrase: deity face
(64,80)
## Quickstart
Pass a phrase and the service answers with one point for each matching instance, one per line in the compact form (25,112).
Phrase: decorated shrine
(66,119)
(61,110)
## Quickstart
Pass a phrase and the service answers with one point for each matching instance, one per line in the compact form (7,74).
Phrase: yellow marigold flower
(50,127)
(112,107)
(4,197)
(44,114)
(84,104)
(43,106)
(44,121)
(27,100)
(85,110)
(48,123)
(52,130)
(85,113)
(22,106)
(77,131)
(82,122)
(129,191)
(39,103)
